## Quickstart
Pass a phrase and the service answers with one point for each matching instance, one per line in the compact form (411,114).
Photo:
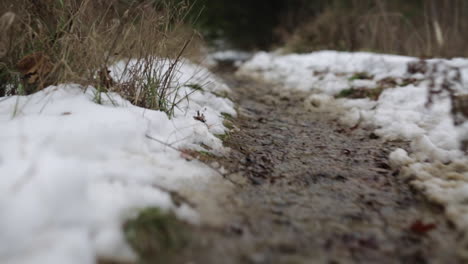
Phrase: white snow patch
(400,113)
(318,101)
(325,72)
(399,158)
(72,171)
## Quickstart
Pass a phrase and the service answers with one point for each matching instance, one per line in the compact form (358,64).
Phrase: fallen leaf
(200,117)
(422,228)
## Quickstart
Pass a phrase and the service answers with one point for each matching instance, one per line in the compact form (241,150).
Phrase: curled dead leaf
(200,117)
(421,228)
(35,70)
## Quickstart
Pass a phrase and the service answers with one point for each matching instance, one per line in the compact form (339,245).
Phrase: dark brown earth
(312,191)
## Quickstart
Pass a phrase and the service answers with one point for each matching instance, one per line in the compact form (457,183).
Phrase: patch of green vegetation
(408,81)
(206,154)
(194,86)
(228,121)
(227,116)
(361,76)
(359,93)
(97,98)
(156,236)
(155,95)
(228,124)
(345,93)
(222,94)
(224,137)
(375,93)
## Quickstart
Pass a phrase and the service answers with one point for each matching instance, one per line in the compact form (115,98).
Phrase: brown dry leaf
(105,78)
(187,154)
(35,68)
(421,228)
(200,117)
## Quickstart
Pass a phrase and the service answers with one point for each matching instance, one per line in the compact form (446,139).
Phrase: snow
(236,57)
(326,71)
(73,171)
(435,163)
(399,157)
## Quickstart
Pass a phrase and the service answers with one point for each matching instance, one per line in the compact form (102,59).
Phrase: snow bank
(72,171)
(399,113)
(325,72)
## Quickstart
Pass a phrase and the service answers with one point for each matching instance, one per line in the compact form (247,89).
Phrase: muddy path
(312,191)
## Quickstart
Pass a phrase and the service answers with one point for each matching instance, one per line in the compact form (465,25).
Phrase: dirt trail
(316,192)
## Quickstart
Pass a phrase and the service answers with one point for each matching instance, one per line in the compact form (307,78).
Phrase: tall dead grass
(82,38)
(432,28)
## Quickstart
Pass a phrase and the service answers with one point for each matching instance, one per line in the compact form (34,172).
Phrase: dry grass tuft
(60,41)
(431,28)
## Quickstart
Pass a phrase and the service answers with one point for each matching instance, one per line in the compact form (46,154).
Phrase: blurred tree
(244,23)
(376,25)
(261,23)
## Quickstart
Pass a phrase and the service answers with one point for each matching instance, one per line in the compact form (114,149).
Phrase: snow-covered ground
(72,171)
(435,162)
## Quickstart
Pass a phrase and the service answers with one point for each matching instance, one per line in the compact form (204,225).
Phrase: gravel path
(312,191)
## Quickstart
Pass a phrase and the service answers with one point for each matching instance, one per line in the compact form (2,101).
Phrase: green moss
(408,81)
(361,76)
(156,236)
(194,86)
(358,93)
(227,116)
(228,121)
(223,137)
(228,124)
(345,93)
(222,94)
(206,154)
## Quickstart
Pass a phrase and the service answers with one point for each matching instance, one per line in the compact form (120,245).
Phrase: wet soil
(312,191)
